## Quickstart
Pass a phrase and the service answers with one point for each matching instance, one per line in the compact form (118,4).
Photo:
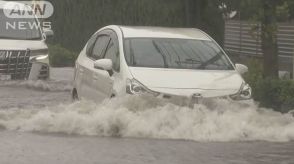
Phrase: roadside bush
(61,57)
(274,93)
(271,93)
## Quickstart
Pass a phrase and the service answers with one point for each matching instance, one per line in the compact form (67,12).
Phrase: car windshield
(19,28)
(175,54)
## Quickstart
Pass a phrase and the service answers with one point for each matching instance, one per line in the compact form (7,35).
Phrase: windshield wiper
(189,61)
(210,61)
(193,61)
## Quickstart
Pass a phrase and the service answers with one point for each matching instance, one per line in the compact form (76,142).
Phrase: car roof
(163,32)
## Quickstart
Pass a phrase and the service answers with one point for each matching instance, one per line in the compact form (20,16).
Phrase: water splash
(53,85)
(147,117)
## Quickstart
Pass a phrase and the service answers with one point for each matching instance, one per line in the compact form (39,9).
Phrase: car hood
(189,82)
(6,44)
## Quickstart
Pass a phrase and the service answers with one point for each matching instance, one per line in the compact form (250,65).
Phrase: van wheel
(75,96)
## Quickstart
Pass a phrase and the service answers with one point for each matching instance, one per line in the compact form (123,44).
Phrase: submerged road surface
(47,149)
(40,125)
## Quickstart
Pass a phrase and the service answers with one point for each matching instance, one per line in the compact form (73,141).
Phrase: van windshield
(175,54)
(19,28)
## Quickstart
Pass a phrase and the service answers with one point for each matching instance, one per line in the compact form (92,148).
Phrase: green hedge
(271,93)
(61,57)
(276,94)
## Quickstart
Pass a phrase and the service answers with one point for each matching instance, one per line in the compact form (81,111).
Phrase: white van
(23,51)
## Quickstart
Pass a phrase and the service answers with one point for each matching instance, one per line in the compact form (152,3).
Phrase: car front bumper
(193,100)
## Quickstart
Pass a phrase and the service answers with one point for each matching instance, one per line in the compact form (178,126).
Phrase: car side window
(90,44)
(112,53)
(99,46)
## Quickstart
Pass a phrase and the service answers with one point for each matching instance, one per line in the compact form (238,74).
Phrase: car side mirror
(48,33)
(242,69)
(103,64)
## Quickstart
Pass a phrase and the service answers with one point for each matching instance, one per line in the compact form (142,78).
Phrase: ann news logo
(28,9)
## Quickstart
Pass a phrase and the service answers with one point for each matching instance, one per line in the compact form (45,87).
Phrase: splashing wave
(53,86)
(147,117)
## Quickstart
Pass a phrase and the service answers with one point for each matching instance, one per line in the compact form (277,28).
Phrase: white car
(164,62)
(23,51)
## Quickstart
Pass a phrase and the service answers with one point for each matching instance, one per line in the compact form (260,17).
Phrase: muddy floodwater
(39,124)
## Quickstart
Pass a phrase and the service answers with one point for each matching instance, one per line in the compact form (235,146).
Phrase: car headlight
(42,57)
(40,52)
(36,55)
(134,87)
(245,93)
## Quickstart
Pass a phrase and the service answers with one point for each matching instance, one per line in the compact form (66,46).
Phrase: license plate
(5,77)
(196,99)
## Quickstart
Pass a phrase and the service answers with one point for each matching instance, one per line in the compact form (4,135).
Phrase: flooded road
(40,124)
(27,148)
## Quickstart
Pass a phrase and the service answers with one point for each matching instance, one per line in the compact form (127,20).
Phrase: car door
(96,52)
(103,80)
(81,64)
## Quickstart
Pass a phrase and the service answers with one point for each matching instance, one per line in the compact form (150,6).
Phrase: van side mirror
(242,69)
(48,33)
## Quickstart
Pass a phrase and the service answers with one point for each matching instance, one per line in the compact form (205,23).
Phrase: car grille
(15,63)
